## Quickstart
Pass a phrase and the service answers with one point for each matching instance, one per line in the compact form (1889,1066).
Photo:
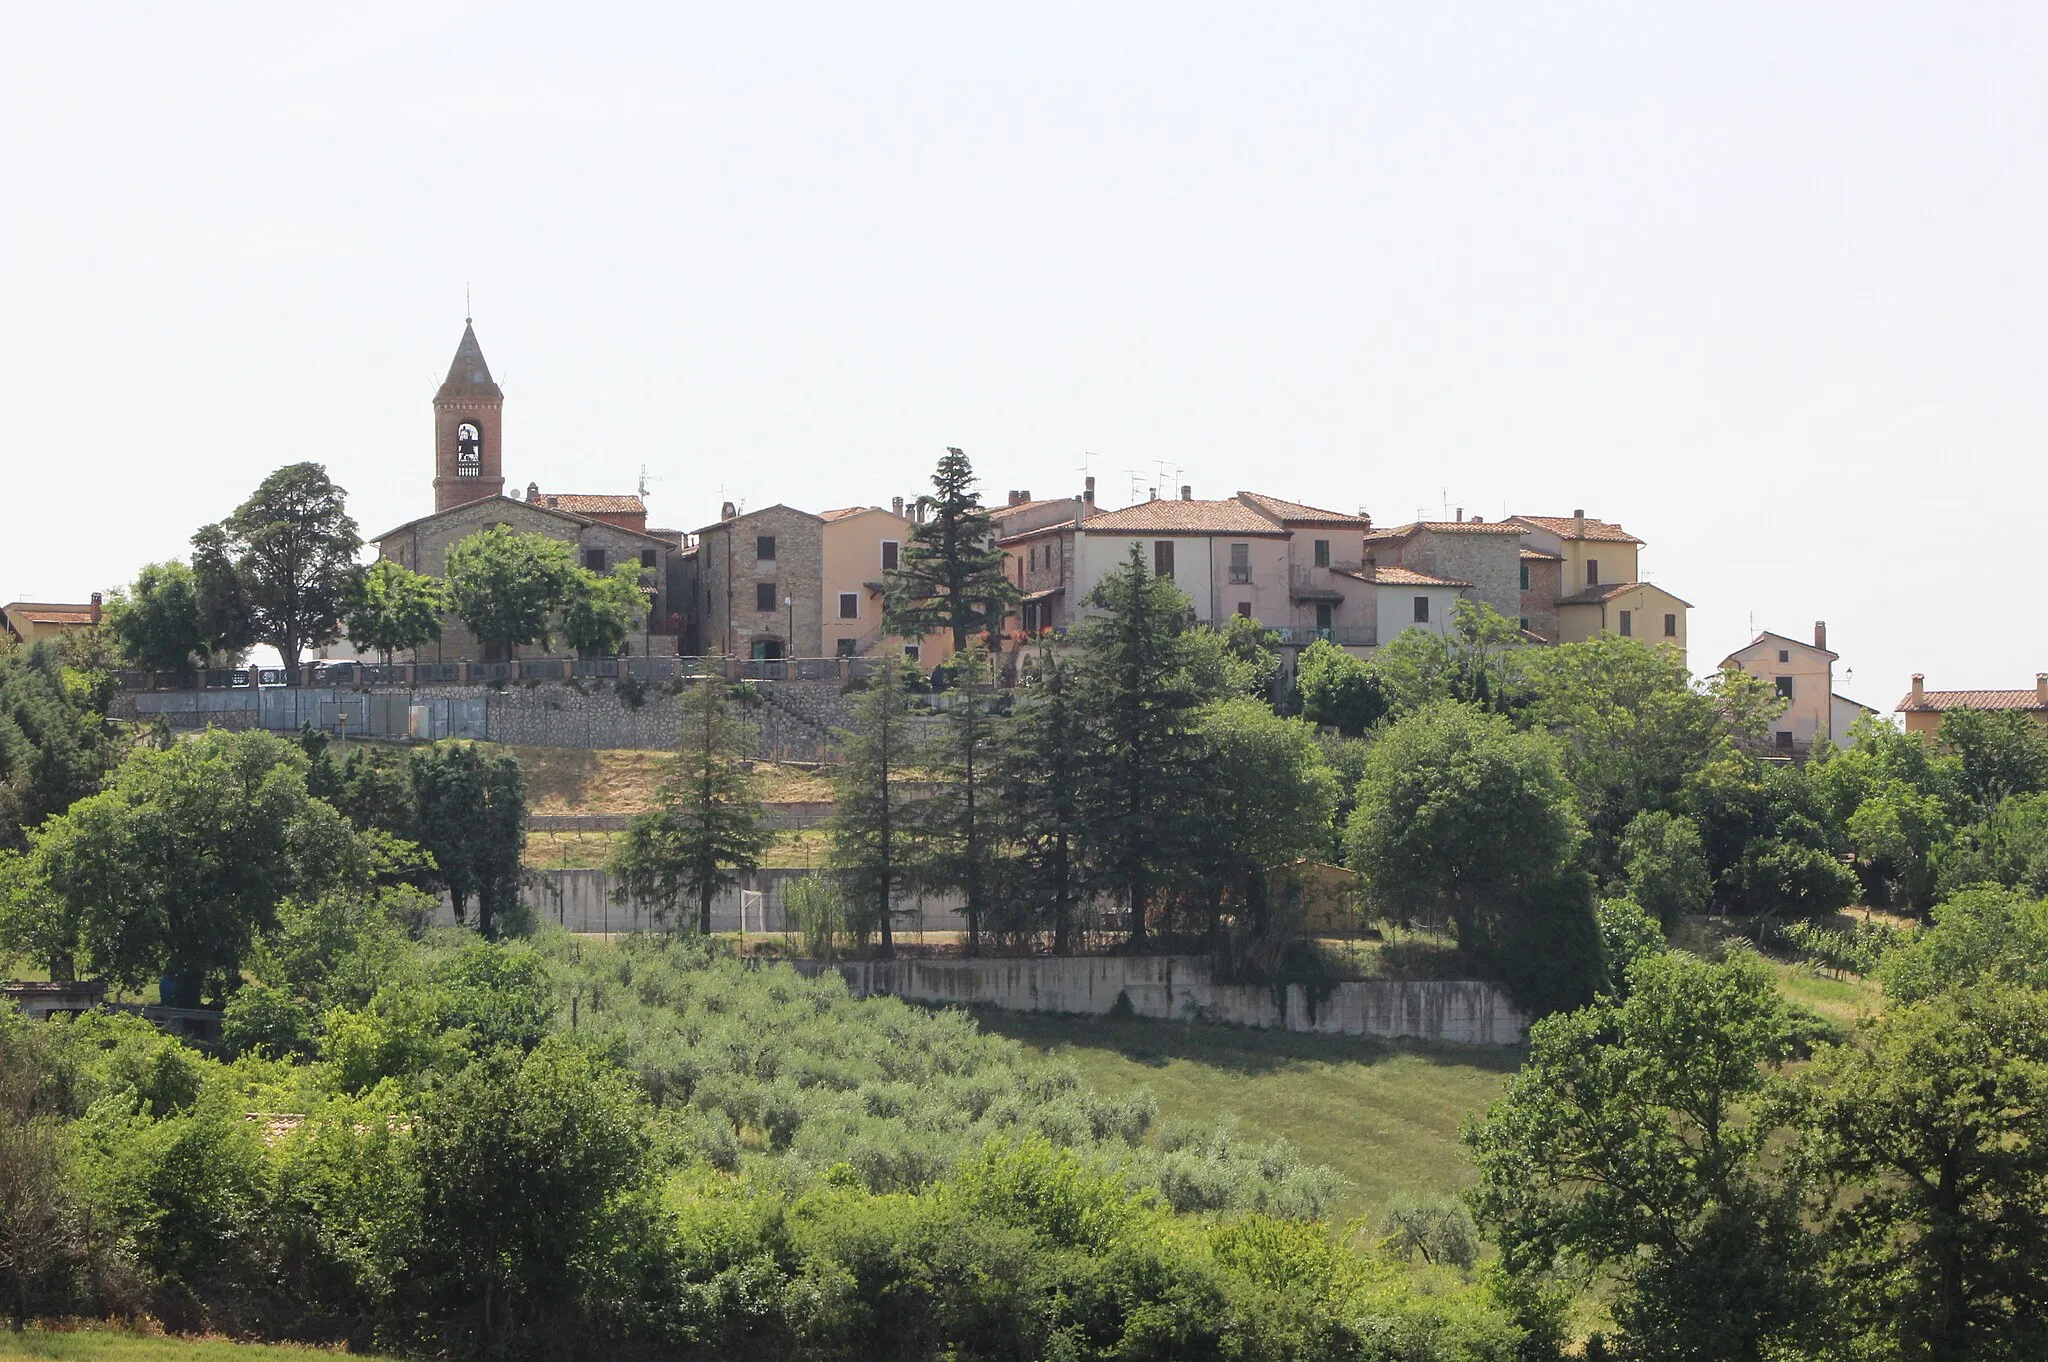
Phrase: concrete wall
(581,901)
(1180,987)
(1194,567)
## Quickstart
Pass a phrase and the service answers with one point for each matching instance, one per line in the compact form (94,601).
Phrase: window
(1245,608)
(1628,624)
(849,605)
(1322,615)
(1785,688)
(1671,626)
(1592,572)
(1784,654)
(647,558)
(1525,576)
(1240,563)
(1034,558)
(1422,609)
(1322,553)
(890,548)
(910,652)
(1162,558)
(764,597)
(1525,624)
(843,648)
(594,559)
(764,547)
(1784,736)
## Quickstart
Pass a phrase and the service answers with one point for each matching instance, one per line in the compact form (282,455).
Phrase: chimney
(1081,508)
(533,491)
(1578,522)
(1187,491)
(896,506)
(1919,686)
(1023,495)
(2040,678)
(1151,494)
(727,511)
(1820,635)
(96,615)
(1460,515)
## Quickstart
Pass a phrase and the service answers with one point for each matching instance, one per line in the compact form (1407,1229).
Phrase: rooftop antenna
(644,480)
(468,317)
(1447,503)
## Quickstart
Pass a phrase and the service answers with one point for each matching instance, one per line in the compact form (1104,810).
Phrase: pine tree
(1040,777)
(874,840)
(1140,698)
(951,578)
(710,823)
(959,824)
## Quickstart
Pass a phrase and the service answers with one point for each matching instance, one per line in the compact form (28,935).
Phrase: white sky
(1764,283)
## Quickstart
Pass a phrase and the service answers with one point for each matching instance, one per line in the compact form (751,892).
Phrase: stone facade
(1487,556)
(1544,576)
(732,570)
(423,545)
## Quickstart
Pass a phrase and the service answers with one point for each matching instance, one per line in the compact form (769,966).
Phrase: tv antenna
(645,479)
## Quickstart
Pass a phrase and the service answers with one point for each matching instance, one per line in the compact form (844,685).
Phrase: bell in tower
(468,423)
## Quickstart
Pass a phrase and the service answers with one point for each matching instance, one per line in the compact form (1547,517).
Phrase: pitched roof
(1787,639)
(1039,531)
(1295,513)
(1936,701)
(1567,527)
(1440,527)
(45,612)
(583,503)
(1541,555)
(998,512)
(523,505)
(844,511)
(1400,576)
(1175,516)
(1594,595)
(764,510)
(468,375)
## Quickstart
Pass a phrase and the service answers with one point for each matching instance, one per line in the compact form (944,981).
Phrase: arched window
(469,450)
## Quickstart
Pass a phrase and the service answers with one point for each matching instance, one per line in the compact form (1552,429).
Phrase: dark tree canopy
(471,812)
(156,624)
(291,554)
(710,823)
(950,578)
(874,841)
(506,586)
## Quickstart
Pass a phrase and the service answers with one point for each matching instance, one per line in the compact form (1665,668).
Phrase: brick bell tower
(469,417)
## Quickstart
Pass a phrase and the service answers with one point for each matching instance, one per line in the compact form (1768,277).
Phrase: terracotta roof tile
(1936,701)
(844,511)
(581,503)
(47,612)
(1442,527)
(1542,555)
(1595,595)
(1400,576)
(1295,513)
(1174,516)
(1567,527)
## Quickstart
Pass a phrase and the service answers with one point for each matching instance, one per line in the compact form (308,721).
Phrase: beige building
(861,545)
(33,622)
(1923,708)
(759,585)
(1803,675)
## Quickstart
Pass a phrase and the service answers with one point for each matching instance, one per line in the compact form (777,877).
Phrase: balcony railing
(1352,637)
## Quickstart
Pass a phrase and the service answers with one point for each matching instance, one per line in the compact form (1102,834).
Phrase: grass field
(101,1345)
(1383,1114)
(563,780)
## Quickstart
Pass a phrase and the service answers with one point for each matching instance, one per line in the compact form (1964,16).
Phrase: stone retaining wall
(1179,987)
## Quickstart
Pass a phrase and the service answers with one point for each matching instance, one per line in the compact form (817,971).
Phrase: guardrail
(370,675)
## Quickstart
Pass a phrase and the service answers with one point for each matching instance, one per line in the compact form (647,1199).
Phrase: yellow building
(1923,708)
(1593,567)
(33,622)
(861,545)
(1803,675)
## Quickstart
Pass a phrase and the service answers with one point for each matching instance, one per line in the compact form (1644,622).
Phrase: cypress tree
(960,822)
(1040,780)
(951,576)
(874,840)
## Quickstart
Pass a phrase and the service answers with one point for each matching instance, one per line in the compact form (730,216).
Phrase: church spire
(468,425)
(468,375)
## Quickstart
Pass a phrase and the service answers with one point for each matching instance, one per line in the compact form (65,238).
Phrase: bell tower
(469,414)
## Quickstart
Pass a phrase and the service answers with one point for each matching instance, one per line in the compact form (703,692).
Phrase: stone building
(1484,558)
(606,531)
(758,585)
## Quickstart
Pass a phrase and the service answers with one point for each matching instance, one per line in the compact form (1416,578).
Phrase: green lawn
(1384,1114)
(100,1345)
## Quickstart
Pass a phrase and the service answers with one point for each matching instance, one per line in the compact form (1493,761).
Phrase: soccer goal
(752,900)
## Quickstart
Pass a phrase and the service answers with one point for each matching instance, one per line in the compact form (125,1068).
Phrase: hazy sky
(1766,284)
